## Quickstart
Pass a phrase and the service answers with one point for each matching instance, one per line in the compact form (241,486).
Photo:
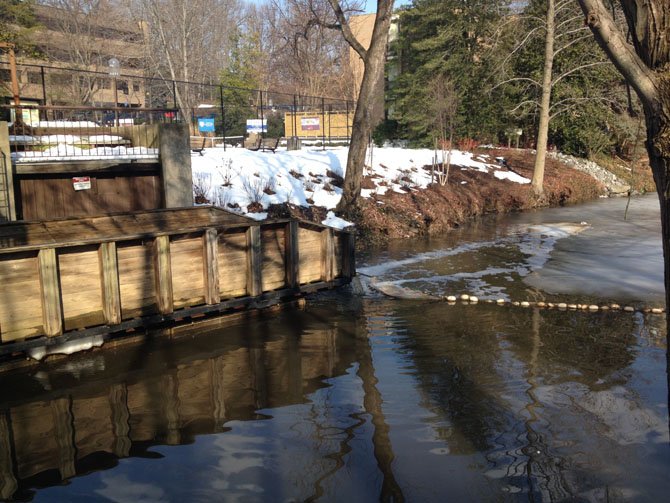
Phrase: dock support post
(292,255)
(164,296)
(254,261)
(211,266)
(327,253)
(111,295)
(52,307)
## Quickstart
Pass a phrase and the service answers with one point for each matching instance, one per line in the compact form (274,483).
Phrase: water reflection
(87,413)
(358,399)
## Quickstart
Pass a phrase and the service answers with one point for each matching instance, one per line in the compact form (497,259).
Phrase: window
(34,78)
(136,87)
(122,85)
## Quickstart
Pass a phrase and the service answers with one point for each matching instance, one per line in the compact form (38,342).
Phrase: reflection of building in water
(179,391)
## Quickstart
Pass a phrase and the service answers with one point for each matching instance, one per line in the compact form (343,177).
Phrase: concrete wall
(7,205)
(175,158)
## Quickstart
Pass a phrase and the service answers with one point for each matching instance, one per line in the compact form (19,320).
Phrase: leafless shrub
(202,185)
(226,172)
(223,197)
(270,186)
(253,188)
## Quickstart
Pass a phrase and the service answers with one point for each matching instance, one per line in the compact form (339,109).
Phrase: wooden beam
(52,306)
(327,253)
(89,167)
(292,255)
(254,261)
(164,296)
(210,241)
(109,280)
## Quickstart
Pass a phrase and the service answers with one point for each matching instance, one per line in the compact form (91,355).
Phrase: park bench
(198,147)
(270,144)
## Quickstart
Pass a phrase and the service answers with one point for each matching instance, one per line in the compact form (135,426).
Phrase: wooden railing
(79,277)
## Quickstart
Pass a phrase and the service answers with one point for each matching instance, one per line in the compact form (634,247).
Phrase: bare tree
(307,57)
(645,65)
(188,41)
(563,29)
(374,58)
(443,106)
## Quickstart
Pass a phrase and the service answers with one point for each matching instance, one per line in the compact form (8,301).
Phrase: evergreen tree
(16,19)
(239,80)
(449,39)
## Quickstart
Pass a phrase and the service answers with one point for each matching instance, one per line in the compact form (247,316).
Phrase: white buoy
(451,298)
(525,303)
(500,301)
(465,297)
(572,306)
(629,309)
(474,299)
(541,304)
(657,310)
(593,307)
(562,305)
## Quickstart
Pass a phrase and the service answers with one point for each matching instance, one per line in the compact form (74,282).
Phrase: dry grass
(438,209)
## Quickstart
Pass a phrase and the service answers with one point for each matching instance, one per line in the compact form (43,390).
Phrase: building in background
(361,27)
(69,47)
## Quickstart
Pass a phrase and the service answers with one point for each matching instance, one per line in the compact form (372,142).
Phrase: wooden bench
(270,144)
(198,147)
(253,142)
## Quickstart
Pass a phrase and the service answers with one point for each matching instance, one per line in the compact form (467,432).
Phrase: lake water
(366,398)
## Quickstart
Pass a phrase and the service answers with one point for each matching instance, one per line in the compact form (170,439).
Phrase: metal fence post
(223,118)
(44,86)
(323,124)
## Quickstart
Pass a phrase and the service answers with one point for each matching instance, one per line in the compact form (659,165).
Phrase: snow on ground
(237,177)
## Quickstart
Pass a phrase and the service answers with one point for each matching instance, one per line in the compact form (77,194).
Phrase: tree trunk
(374,61)
(543,129)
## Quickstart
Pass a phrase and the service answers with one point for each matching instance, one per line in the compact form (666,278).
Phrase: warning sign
(81,182)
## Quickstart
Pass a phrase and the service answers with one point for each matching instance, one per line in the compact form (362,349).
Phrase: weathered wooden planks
(62,280)
(80,283)
(20,297)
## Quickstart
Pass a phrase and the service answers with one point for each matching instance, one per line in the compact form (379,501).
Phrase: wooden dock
(72,278)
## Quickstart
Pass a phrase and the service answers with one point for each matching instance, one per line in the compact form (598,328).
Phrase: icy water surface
(366,398)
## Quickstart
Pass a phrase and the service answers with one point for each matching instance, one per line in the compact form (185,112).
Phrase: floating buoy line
(561,306)
(398,292)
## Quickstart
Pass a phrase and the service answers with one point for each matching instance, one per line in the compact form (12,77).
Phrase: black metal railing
(42,133)
(227,109)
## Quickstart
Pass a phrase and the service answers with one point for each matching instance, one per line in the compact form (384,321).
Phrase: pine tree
(448,38)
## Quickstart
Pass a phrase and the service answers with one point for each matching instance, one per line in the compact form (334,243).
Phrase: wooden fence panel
(188,282)
(310,254)
(81,289)
(137,279)
(232,260)
(273,245)
(20,297)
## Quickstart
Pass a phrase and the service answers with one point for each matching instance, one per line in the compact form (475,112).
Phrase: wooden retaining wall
(77,277)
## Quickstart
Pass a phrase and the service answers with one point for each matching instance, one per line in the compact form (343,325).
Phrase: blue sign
(206,124)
